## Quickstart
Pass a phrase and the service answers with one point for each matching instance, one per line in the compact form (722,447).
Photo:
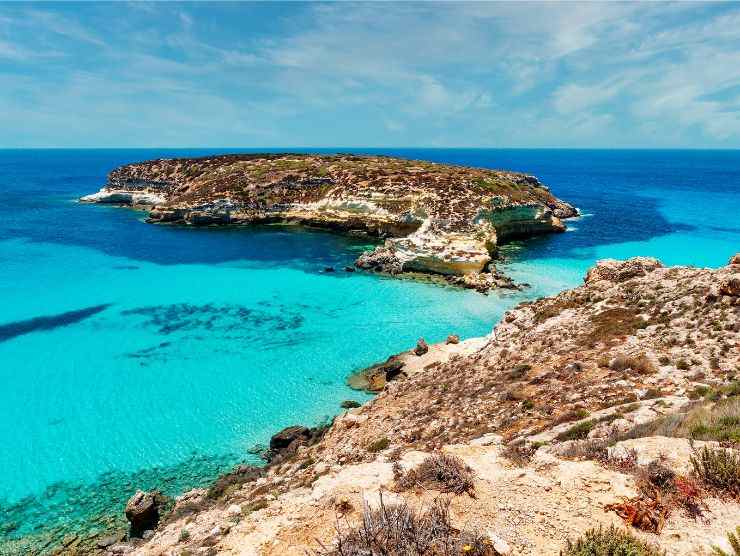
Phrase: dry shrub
(520,453)
(442,472)
(640,363)
(396,529)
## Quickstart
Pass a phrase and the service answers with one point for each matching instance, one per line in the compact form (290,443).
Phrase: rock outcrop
(434,218)
(143,511)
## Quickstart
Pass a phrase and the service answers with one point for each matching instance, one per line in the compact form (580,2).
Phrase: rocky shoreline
(436,219)
(561,415)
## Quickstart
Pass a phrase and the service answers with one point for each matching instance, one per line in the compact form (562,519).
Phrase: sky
(524,74)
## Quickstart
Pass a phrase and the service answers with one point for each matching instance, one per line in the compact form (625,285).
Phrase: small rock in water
(105,542)
(329,269)
(349,404)
(453,339)
(349,269)
(421,347)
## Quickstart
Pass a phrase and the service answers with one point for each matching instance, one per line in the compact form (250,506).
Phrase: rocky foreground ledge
(613,405)
(436,218)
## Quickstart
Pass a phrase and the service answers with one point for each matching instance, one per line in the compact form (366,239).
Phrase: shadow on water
(37,324)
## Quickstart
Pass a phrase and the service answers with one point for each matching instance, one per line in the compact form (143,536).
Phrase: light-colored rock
(499,545)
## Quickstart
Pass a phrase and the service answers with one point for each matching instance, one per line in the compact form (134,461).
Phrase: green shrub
(184,535)
(734,539)
(609,542)
(718,468)
(378,445)
(577,432)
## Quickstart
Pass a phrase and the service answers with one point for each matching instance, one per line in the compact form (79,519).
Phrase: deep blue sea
(134,356)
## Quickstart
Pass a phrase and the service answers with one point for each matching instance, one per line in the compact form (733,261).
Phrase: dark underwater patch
(234,321)
(38,324)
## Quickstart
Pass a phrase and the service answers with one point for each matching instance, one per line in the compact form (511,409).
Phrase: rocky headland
(615,404)
(436,219)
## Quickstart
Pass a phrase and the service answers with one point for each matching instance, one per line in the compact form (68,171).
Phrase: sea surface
(135,356)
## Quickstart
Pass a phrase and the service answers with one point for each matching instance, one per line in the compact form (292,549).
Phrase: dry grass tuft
(441,472)
(396,529)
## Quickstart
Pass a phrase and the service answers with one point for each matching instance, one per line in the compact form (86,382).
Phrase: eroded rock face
(436,218)
(735,259)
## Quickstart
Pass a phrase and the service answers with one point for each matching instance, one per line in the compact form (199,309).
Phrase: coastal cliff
(616,403)
(435,218)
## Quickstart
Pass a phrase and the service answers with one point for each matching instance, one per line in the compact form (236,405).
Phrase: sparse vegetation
(718,421)
(442,472)
(609,542)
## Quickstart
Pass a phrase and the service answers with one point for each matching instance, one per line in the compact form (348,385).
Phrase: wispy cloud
(530,74)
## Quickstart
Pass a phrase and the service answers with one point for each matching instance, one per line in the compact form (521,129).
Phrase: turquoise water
(134,355)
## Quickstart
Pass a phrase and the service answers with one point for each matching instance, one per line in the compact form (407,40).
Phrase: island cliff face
(435,218)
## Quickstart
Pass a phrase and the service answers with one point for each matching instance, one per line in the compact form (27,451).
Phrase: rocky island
(436,219)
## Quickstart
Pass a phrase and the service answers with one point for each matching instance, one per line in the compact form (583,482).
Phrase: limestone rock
(621,271)
(735,259)
(453,339)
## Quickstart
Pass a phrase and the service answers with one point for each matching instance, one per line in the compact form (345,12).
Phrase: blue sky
(370,74)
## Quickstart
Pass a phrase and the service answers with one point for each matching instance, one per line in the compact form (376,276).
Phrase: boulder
(453,339)
(735,259)
(613,270)
(421,347)
(142,511)
(287,436)
(730,286)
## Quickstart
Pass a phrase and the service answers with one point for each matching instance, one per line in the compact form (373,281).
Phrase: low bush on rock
(609,542)
(397,529)
(719,468)
(378,445)
(442,472)
(577,432)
